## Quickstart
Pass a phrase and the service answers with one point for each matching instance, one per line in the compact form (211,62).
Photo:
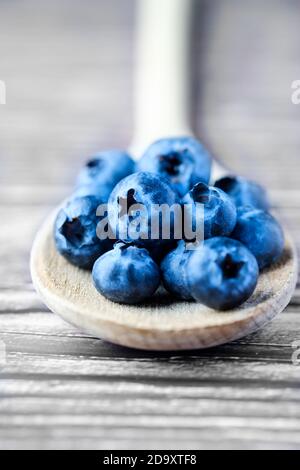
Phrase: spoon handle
(162,71)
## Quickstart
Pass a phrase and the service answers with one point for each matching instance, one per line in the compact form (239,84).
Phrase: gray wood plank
(206,437)
(216,367)
(43,331)
(68,70)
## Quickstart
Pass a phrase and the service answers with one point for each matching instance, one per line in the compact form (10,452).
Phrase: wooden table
(68,70)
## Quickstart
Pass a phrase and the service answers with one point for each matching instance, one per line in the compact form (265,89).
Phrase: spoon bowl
(161,324)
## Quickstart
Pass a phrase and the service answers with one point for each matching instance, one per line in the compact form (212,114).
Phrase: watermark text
(296,353)
(136,221)
(295,96)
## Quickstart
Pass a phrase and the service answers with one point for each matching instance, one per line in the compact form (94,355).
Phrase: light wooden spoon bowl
(161,324)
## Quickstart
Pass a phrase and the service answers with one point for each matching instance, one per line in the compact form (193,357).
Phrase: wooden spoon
(162,324)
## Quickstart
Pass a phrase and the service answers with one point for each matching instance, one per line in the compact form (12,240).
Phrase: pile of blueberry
(240,236)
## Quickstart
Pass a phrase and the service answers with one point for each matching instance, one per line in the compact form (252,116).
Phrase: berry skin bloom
(218,216)
(134,210)
(173,268)
(102,172)
(222,273)
(183,161)
(75,232)
(244,192)
(126,274)
(260,232)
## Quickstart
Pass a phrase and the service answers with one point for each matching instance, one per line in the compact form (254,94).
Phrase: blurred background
(69,72)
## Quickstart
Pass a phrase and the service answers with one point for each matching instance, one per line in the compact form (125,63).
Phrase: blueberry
(160,250)
(182,160)
(222,273)
(244,192)
(133,209)
(219,211)
(75,232)
(260,232)
(173,268)
(126,274)
(103,171)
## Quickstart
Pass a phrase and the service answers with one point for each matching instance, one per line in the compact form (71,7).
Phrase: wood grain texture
(61,388)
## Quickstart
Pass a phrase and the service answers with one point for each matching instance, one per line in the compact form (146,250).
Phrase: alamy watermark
(2,92)
(134,221)
(295,96)
(296,354)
